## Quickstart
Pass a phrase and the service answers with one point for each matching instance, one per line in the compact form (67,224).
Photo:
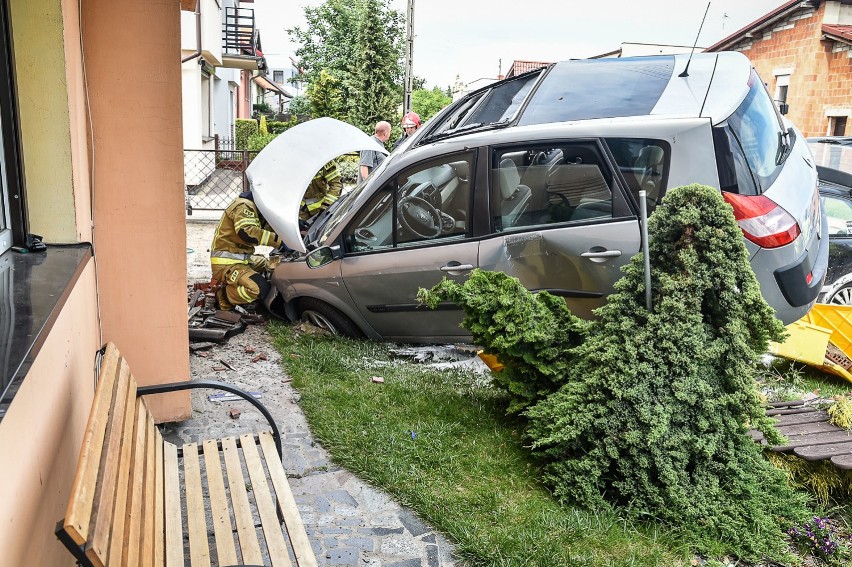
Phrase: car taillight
(762,220)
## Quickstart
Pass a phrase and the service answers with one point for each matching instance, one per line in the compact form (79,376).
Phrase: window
(494,106)
(838,126)
(782,84)
(839,214)
(278,77)
(12,221)
(424,204)
(752,146)
(644,164)
(549,184)
(599,88)
(206,108)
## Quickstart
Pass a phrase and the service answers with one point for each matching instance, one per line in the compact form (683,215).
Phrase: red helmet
(411,119)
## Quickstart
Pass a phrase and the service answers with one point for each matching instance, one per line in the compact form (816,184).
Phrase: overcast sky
(481,38)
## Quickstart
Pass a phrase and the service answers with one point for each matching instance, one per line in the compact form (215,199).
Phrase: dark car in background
(834,168)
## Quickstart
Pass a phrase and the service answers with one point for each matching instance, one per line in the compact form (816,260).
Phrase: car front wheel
(842,296)
(325,316)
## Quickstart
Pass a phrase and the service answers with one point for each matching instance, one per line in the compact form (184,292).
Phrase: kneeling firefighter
(241,272)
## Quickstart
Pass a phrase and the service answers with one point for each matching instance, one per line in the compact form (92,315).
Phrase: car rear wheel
(842,296)
(325,316)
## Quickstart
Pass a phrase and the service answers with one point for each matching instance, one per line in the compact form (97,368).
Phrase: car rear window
(599,88)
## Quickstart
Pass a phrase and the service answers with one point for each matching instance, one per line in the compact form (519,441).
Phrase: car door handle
(602,254)
(457,268)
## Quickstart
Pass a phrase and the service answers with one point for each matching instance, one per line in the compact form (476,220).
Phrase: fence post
(244,167)
(216,145)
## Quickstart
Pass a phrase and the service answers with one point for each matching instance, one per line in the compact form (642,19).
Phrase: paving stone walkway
(348,521)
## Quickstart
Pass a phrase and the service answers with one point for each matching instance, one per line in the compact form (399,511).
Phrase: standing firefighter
(232,257)
(323,191)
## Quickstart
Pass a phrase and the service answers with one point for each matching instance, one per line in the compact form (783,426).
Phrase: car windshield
(490,106)
(599,88)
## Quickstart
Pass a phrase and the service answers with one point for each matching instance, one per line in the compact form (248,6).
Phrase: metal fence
(213,178)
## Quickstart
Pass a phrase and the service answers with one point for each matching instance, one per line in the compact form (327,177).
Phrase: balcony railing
(239,34)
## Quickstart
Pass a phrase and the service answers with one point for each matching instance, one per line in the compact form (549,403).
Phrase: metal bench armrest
(214,385)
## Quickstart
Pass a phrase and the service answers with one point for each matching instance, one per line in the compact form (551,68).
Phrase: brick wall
(821,77)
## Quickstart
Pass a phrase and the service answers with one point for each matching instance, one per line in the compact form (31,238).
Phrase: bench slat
(97,548)
(222,528)
(79,511)
(295,528)
(265,506)
(149,497)
(133,529)
(174,520)
(199,553)
(159,520)
(242,512)
(119,517)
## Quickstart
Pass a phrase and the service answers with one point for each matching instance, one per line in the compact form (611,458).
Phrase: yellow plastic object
(838,318)
(810,337)
(807,343)
(491,361)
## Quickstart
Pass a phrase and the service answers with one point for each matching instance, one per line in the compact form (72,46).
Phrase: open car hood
(282,171)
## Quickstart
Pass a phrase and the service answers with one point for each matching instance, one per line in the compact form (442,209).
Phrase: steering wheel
(420,217)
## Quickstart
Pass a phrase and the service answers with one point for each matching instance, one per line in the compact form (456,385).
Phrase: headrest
(509,178)
(651,155)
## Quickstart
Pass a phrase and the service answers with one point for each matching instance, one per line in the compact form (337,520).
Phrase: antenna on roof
(686,69)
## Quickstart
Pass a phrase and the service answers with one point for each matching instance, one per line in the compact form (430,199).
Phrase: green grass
(439,443)
(789,380)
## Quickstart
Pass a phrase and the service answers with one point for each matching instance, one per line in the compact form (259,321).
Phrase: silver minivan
(539,176)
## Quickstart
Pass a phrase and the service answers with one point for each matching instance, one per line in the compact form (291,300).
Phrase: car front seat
(515,198)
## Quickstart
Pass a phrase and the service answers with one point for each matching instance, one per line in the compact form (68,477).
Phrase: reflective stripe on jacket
(239,231)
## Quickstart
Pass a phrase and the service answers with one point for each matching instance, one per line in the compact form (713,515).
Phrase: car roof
(709,85)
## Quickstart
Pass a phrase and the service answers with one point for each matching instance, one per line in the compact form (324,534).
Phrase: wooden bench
(139,500)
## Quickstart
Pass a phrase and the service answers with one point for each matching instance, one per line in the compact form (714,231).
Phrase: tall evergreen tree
(359,43)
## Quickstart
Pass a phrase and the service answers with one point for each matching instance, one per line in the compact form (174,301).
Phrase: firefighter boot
(222,300)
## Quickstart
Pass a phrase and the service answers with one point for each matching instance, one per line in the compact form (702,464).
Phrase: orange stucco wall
(41,434)
(132,52)
(821,79)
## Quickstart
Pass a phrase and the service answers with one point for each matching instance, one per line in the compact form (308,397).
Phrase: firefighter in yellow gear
(322,192)
(232,258)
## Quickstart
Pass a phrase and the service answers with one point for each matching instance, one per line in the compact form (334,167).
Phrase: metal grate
(213,178)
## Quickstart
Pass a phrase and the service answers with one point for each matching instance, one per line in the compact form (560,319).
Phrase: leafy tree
(427,103)
(325,96)
(652,410)
(358,43)
(299,105)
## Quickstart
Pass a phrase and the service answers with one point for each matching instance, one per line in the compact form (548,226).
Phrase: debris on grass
(840,412)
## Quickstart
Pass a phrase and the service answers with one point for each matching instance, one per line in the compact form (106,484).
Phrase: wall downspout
(192,56)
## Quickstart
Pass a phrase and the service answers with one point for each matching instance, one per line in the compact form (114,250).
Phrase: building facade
(223,69)
(803,52)
(96,169)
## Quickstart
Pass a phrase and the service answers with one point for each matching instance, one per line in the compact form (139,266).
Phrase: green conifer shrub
(530,334)
(654,407)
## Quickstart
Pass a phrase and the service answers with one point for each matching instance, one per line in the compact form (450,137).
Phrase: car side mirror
(322,256)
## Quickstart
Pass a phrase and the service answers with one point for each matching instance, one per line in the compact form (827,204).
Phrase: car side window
(644,164)
(550,184)
(424,204)
(839,214)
